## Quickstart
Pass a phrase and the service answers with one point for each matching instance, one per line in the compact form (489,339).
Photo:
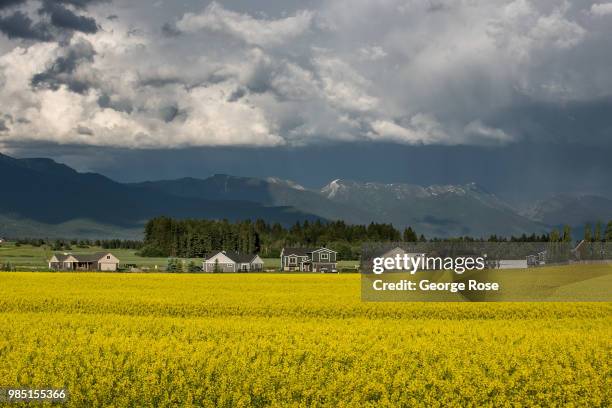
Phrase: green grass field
(235,340)
(29,258)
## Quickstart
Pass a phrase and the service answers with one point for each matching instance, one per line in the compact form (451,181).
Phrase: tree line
(68,244)
(597,233)
(168,237)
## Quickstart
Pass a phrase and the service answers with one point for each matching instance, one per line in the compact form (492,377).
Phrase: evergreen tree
(410,235)
(608,236)
(598,237)
(555,236)
(588,236)
(567,234)
(192,267)
(173,265)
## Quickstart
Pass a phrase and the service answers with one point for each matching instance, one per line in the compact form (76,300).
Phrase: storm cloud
(64,18)
(9,3)
(475,73)
(20,25)
(63,71)
(46,20)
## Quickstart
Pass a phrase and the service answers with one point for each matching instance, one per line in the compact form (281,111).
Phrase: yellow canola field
(292,340)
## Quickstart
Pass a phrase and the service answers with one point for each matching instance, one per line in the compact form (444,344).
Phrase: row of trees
(167,237)
(597,234)
(66,245)
(194,238)
(591,234)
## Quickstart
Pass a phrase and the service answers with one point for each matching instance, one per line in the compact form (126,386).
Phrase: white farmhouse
(100,261)
(229,261)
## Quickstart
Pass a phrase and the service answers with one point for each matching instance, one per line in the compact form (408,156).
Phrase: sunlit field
(292,340)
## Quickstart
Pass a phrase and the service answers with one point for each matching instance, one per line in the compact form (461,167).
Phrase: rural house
(229,261)
(100,261)
(309,260)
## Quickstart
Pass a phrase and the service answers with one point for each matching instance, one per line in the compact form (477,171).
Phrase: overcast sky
(172,75)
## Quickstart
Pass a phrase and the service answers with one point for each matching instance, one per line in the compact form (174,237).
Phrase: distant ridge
(441,211)
(42,197)
(573,209)
(59,200)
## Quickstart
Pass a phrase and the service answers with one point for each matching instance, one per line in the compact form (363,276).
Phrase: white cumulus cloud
(601,9)
(245,27)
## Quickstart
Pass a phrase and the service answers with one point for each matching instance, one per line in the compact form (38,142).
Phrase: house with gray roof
(99,261)
(309,260)
(230,261)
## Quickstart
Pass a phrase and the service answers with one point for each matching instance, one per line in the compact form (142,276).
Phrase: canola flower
(292,340)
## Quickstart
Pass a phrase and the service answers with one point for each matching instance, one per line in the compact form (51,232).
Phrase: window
(292,260)
(107,256)
(324,255)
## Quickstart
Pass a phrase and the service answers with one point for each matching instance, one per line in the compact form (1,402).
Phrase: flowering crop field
(292,340)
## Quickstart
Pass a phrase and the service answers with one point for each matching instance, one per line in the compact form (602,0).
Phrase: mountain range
(40,197)
(43,198)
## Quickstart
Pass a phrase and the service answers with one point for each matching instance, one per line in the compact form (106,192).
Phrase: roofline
(324,249)
(228,257)
(76,256)
(309,250)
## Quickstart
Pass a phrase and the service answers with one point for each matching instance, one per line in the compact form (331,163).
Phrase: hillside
(575,210)
(50,199)
(42,197)
(442,211)
(269,192)
(435,211)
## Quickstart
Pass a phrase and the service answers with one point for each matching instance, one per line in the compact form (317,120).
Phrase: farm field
(30,258)
(292,340)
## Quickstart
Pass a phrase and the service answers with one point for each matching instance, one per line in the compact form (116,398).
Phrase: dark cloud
(169,30)
(113,17)
(236,95)
(169,113)
(121,105)
(157,82)
(81,3)
(19,25)
(10,3)
(61,72)
(61,20)
(588,122)
(3,127)
(64,18)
